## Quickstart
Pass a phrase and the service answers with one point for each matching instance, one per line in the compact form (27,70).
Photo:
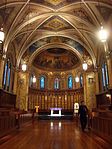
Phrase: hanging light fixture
(34,79)
(24,67)
(76,79)
(103,34)
(2,35)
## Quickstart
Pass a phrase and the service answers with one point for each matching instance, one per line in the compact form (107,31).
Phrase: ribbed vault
(27,22)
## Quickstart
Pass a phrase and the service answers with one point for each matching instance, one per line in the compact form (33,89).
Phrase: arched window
(7,75)
(42,82)
(70,82)
(106,75)
(81,80)
(105,78)
(56,83)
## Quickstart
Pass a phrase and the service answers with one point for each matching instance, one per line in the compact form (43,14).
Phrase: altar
(56,111)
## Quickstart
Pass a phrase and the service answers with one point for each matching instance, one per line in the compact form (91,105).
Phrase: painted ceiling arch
(56,59)
(56,41)
(53,46)
(39,51)
(76,45)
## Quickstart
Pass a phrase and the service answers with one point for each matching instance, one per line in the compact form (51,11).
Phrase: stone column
(1,71)
(22,90)
(15,81)
(109,64)
(85,87)
(96,82)
(89,90)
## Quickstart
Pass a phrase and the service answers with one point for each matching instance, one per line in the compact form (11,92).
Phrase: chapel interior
(53,55)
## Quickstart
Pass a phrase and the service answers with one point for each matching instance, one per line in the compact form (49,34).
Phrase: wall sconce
(24,67)
(50,73)
(108,95)
(76,79)
(34,79)
(84,66)
(2,35)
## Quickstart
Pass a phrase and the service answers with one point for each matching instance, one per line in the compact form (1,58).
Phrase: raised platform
(48,117)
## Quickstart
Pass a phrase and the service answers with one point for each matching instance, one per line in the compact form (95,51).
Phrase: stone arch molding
(47,46)
(65,42)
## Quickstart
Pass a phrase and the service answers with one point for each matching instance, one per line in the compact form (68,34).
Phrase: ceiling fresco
(56,59)
(53,3)
(55,23)
(81,13)
(42,42)
(5,13)
(106,12)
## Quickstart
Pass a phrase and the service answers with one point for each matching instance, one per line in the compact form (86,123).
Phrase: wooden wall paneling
(69,102)
(62,101)
(74,97)
(57,100)
(45,101)
(7,99)
(30,101)
(37,100)
(48,101)
(64,98)
(66,102)
(59,97)
(72,102)
(41,100)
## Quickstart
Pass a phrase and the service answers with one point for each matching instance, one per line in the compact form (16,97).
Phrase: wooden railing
(103,100)
(8,121)
(102,123)
(7,99)
(102,126)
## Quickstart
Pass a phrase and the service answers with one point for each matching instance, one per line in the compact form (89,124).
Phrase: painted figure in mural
(83,111)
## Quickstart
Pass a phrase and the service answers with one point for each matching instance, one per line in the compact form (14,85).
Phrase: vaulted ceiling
(32,26)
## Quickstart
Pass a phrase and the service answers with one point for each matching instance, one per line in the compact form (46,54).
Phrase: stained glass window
(81,80)
(103,76)
(5,74)
(106,74)
(42,82)
(8,77)
(70,82)
(56,83)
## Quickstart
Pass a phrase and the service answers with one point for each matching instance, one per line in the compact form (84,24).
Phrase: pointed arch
(42,82)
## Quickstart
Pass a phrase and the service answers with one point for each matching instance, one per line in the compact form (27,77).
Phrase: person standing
(17,119)
(83,111)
